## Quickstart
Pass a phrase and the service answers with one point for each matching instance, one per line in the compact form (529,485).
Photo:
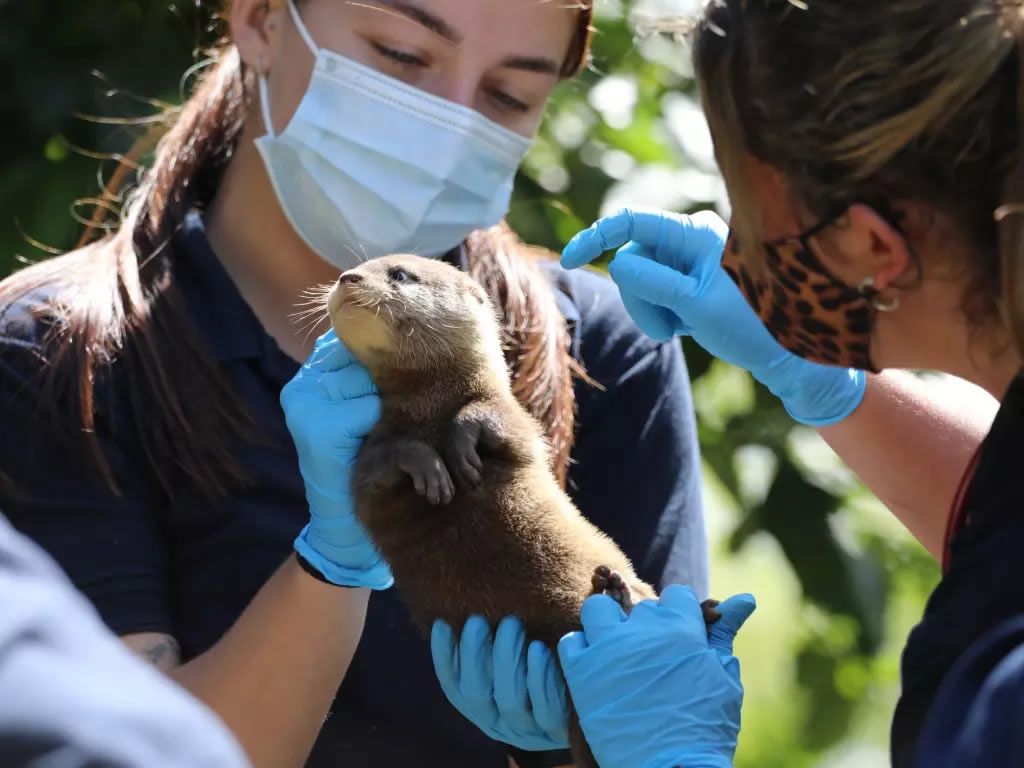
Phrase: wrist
(813,394)
(377,576)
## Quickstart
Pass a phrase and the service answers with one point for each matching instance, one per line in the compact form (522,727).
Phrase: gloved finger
(547,692)
(680,598)
(734,612)
(652,281)
(682,603)
(450,663)
(611,232)
(510,670)
(476,670)
(658,323)
(570,646)
(330,354)
(601,616)
(353,420)
(348,383)
(325,338)
(445,654)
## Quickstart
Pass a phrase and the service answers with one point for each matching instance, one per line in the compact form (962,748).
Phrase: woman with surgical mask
(207,515)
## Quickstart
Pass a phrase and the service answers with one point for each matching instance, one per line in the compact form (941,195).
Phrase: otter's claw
(608,582)
(462,454)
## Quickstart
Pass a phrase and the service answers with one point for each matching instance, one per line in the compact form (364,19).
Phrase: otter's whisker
(305,316)
(312,328)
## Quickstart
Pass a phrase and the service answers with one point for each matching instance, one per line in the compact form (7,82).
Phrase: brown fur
(454,483)
(492,532)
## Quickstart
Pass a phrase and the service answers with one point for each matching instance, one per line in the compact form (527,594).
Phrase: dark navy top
(982,586)
(977,715)
(189,569)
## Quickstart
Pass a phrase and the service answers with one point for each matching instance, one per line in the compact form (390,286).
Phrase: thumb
(734,612)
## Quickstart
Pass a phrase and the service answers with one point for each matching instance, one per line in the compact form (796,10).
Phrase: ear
(877,248)
(254,26)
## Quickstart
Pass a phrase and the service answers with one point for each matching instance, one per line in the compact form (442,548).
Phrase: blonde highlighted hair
(880,101)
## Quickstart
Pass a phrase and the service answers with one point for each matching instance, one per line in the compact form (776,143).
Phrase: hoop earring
(869,292)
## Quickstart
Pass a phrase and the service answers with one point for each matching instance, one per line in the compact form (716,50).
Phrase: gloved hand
(672,284)
(653,690)
(329,406)
(512,692)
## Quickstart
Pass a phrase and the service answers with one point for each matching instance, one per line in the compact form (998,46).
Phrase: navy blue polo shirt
(189,569)
(976,717)
(982,585)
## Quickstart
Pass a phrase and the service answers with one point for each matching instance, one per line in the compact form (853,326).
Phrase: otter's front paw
(462,455)
(429,475)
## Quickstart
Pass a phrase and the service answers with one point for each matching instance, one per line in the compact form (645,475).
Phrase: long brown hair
(116,299)
(885,101)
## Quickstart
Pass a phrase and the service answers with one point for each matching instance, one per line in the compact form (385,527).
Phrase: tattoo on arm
(160,650)
(163,652)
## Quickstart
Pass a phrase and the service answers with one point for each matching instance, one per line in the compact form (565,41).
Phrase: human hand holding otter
(329,407)
(672,284)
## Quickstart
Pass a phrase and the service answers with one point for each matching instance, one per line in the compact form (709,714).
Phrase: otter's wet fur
(454,483)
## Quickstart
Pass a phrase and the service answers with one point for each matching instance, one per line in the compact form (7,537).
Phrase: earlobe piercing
(867,290)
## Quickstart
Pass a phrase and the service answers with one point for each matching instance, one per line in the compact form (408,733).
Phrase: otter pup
(454,483)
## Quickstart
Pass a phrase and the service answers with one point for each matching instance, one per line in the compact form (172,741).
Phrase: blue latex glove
(672,284)
(511,691)
(654,690)
(330,405)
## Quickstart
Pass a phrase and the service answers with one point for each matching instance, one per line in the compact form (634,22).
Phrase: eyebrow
(421,16)
(532,64)
(439,26)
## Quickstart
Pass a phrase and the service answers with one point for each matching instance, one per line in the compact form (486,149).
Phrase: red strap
(958,514)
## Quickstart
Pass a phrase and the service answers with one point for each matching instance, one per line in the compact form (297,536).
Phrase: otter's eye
(399,275)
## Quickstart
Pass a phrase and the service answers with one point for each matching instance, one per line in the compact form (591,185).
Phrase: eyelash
(409,60)
(400,57)
(509,102)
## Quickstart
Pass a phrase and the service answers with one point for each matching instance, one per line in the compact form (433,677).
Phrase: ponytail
(534,336)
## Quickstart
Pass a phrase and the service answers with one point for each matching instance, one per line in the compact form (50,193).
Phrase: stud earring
(868,291)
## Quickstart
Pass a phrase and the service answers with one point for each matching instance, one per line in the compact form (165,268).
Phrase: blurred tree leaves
(627,130)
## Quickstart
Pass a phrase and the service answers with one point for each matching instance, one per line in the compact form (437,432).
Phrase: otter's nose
(349,278)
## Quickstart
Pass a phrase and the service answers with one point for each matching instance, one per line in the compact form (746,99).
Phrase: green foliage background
(839,583)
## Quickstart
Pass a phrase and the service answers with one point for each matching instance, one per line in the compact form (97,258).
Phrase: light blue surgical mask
(369,165)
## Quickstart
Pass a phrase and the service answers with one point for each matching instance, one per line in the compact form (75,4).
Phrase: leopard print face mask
(805,308)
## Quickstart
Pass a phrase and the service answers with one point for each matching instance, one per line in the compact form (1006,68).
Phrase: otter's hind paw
(710,614)
(608,582)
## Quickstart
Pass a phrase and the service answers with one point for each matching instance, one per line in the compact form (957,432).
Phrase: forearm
(273,676)
(911,443)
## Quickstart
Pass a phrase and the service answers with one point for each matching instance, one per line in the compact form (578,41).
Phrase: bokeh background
(839,583)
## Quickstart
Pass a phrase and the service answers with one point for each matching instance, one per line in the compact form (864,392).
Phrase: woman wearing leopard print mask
(878,224)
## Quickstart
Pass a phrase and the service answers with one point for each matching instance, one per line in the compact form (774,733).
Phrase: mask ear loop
(300,25)
(264,88)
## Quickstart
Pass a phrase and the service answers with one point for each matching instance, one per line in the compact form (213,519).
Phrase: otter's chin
(363,332)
